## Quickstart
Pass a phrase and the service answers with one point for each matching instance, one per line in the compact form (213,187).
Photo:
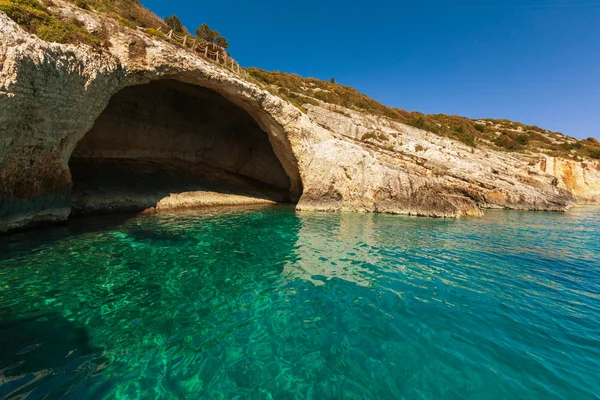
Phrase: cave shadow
(182,143)
(25,241)
(134,185)
(21,243)
(155,141)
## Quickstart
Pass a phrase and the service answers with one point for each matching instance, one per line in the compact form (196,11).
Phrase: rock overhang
(51,95)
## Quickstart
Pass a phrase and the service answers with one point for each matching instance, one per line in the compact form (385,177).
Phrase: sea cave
(170,144)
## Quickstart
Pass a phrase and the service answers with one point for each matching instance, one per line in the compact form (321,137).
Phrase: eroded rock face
(52,95)
(172,120)
(49,95)
(167,144)
(406,170)
(582,179)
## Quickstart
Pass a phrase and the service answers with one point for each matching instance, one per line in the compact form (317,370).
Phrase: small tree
(204,32)
(333,80)
(175,24)
(211,36)
(221,41)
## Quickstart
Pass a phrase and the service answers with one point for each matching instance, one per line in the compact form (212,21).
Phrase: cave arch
(172,144)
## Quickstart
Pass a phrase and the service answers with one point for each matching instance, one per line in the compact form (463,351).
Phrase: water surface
(265,303)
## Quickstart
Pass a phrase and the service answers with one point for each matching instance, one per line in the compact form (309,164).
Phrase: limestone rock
(52,95)
(582,179)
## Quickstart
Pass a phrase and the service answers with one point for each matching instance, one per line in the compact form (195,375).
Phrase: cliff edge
(146,102)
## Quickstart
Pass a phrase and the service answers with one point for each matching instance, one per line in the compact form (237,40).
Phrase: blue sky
(534,61)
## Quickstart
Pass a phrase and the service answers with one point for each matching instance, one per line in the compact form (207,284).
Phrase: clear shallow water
(266,303)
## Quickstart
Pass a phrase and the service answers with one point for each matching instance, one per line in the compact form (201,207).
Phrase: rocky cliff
(148,103)
(582,179)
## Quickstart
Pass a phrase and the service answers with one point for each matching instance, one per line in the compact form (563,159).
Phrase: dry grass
(500,134)
(129,12)
(345,96)
(37,19)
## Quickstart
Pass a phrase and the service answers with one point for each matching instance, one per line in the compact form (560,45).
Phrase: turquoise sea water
(266,303)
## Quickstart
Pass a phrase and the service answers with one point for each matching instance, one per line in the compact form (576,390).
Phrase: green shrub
(131,11)
(126,23)
(35,18)
(506,142)
(211,36)
(55,32)
(465,137)
(538,137)
(155,32)
(175,24)
(572,146)
(480,127)
(298,102)
(522,139)
(305,100)
(515,136)
(28,13)
(417,123)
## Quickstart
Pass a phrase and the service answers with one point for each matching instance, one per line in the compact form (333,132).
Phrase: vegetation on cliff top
(128,12)
(203,32)
(36,18)
(40,17)
(500,134)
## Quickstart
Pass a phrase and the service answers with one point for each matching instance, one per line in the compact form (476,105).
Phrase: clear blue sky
(533,61)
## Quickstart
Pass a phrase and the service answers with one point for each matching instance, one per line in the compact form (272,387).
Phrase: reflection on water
(267,303)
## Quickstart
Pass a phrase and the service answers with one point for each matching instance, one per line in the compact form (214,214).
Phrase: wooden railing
(210,51)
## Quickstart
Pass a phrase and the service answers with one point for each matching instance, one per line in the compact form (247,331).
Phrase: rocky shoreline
(53,99)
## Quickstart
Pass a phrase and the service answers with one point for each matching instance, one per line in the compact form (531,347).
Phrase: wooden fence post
(220,54)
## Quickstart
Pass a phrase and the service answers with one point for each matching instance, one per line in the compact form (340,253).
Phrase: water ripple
(266,303)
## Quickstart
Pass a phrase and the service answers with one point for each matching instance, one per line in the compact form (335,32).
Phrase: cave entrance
(169,144)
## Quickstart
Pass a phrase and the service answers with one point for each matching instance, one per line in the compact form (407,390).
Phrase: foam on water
(267,303)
